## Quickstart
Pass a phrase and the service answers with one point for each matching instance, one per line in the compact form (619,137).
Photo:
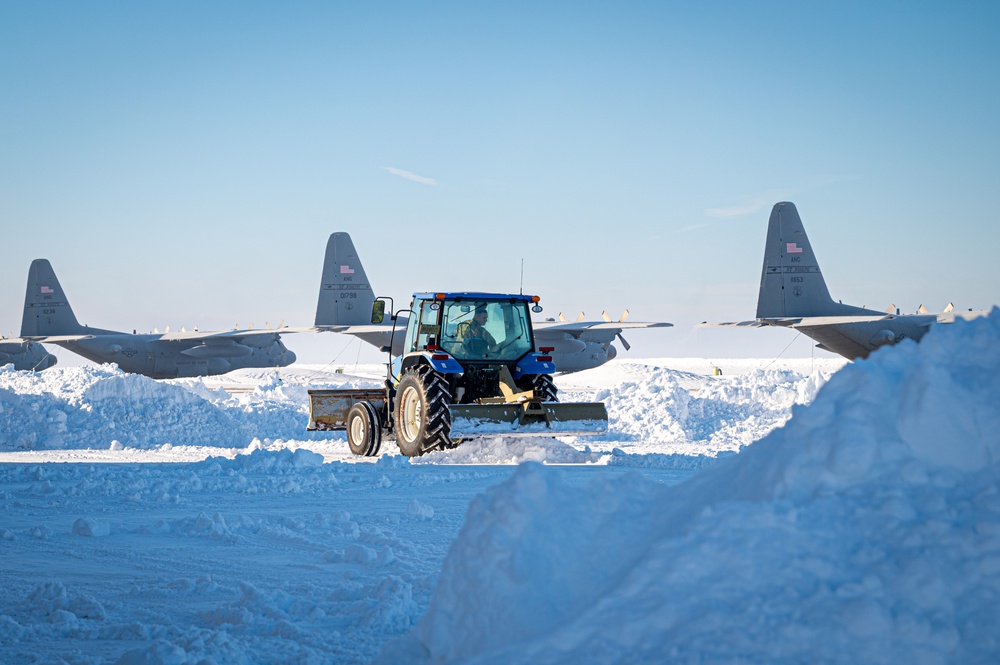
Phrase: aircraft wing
(810,322)
(821,321)
(730,324)
(196,335)
(551,333)
(361,329)
(576,328)
(55,339)
(952,316)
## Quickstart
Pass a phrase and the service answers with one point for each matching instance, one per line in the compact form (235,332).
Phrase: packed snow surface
(201,523)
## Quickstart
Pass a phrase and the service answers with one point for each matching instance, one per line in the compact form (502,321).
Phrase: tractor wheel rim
(411,414)
(358,430)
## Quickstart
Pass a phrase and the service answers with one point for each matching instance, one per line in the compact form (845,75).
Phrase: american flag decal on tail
(792,248)
(346,270)
(46,289)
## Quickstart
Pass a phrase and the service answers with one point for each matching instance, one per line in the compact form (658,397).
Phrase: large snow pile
(95,406)
(99,407)
(656,405)
(865,530)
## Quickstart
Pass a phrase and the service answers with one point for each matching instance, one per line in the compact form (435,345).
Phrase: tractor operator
(476,328)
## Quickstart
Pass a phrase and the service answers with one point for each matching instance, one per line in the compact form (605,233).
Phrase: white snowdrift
(653,411)
(103,407)
(865,530)
(655,406)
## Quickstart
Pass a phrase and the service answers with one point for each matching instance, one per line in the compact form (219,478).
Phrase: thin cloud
(753,205)
(413,177)
(671,232)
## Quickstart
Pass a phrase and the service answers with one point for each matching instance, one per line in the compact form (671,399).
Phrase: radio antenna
(521,291)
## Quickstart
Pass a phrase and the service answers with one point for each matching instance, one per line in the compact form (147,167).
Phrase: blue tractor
(469,368)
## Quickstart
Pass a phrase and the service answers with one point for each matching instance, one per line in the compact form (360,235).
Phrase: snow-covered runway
(271,557)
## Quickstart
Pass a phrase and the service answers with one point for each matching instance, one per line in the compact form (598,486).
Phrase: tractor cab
(475,328)
(478,341)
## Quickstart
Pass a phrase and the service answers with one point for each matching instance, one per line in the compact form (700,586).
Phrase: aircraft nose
(289,357)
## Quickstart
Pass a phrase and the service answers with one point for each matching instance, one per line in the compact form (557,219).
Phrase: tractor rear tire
(364,432)
(423,420)
(545,388)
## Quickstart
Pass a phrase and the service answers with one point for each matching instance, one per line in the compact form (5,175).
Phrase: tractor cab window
(485,330)
(429,330)
(423,329)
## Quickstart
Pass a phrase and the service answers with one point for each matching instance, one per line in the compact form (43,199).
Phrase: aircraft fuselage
(25,355)
(858,339)
(571,354)
(158,358)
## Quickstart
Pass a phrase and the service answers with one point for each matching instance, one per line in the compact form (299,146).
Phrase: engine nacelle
(258,341)
(218,350)
(883,337)
(567,344)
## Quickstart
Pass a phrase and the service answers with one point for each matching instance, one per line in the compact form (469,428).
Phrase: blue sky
(184,163)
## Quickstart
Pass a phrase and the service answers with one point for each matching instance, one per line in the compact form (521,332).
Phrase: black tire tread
(545,387)
(436,426)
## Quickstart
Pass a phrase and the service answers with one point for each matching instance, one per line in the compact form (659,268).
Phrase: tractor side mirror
(378,311)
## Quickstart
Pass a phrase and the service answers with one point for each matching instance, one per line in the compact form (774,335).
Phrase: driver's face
(481,317)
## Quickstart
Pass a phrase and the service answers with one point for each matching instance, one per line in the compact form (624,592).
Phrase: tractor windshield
(486,330)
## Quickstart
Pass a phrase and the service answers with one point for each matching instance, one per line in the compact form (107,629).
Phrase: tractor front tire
(423,421)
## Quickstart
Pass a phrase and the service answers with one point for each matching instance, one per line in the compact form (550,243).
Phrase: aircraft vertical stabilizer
(345,295)
(791,283)
(46,308)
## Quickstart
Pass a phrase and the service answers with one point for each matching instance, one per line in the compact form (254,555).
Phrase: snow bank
(103,407)
(652,410)
(658,405)
(867,529)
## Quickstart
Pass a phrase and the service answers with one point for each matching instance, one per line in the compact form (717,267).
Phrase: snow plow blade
(328,408)
(528,419)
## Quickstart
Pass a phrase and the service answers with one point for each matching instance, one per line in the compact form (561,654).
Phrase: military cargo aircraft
(25,355)
(48,317)
(346,297)
(793,294)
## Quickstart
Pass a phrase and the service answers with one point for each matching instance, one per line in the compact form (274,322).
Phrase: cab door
(429,328)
